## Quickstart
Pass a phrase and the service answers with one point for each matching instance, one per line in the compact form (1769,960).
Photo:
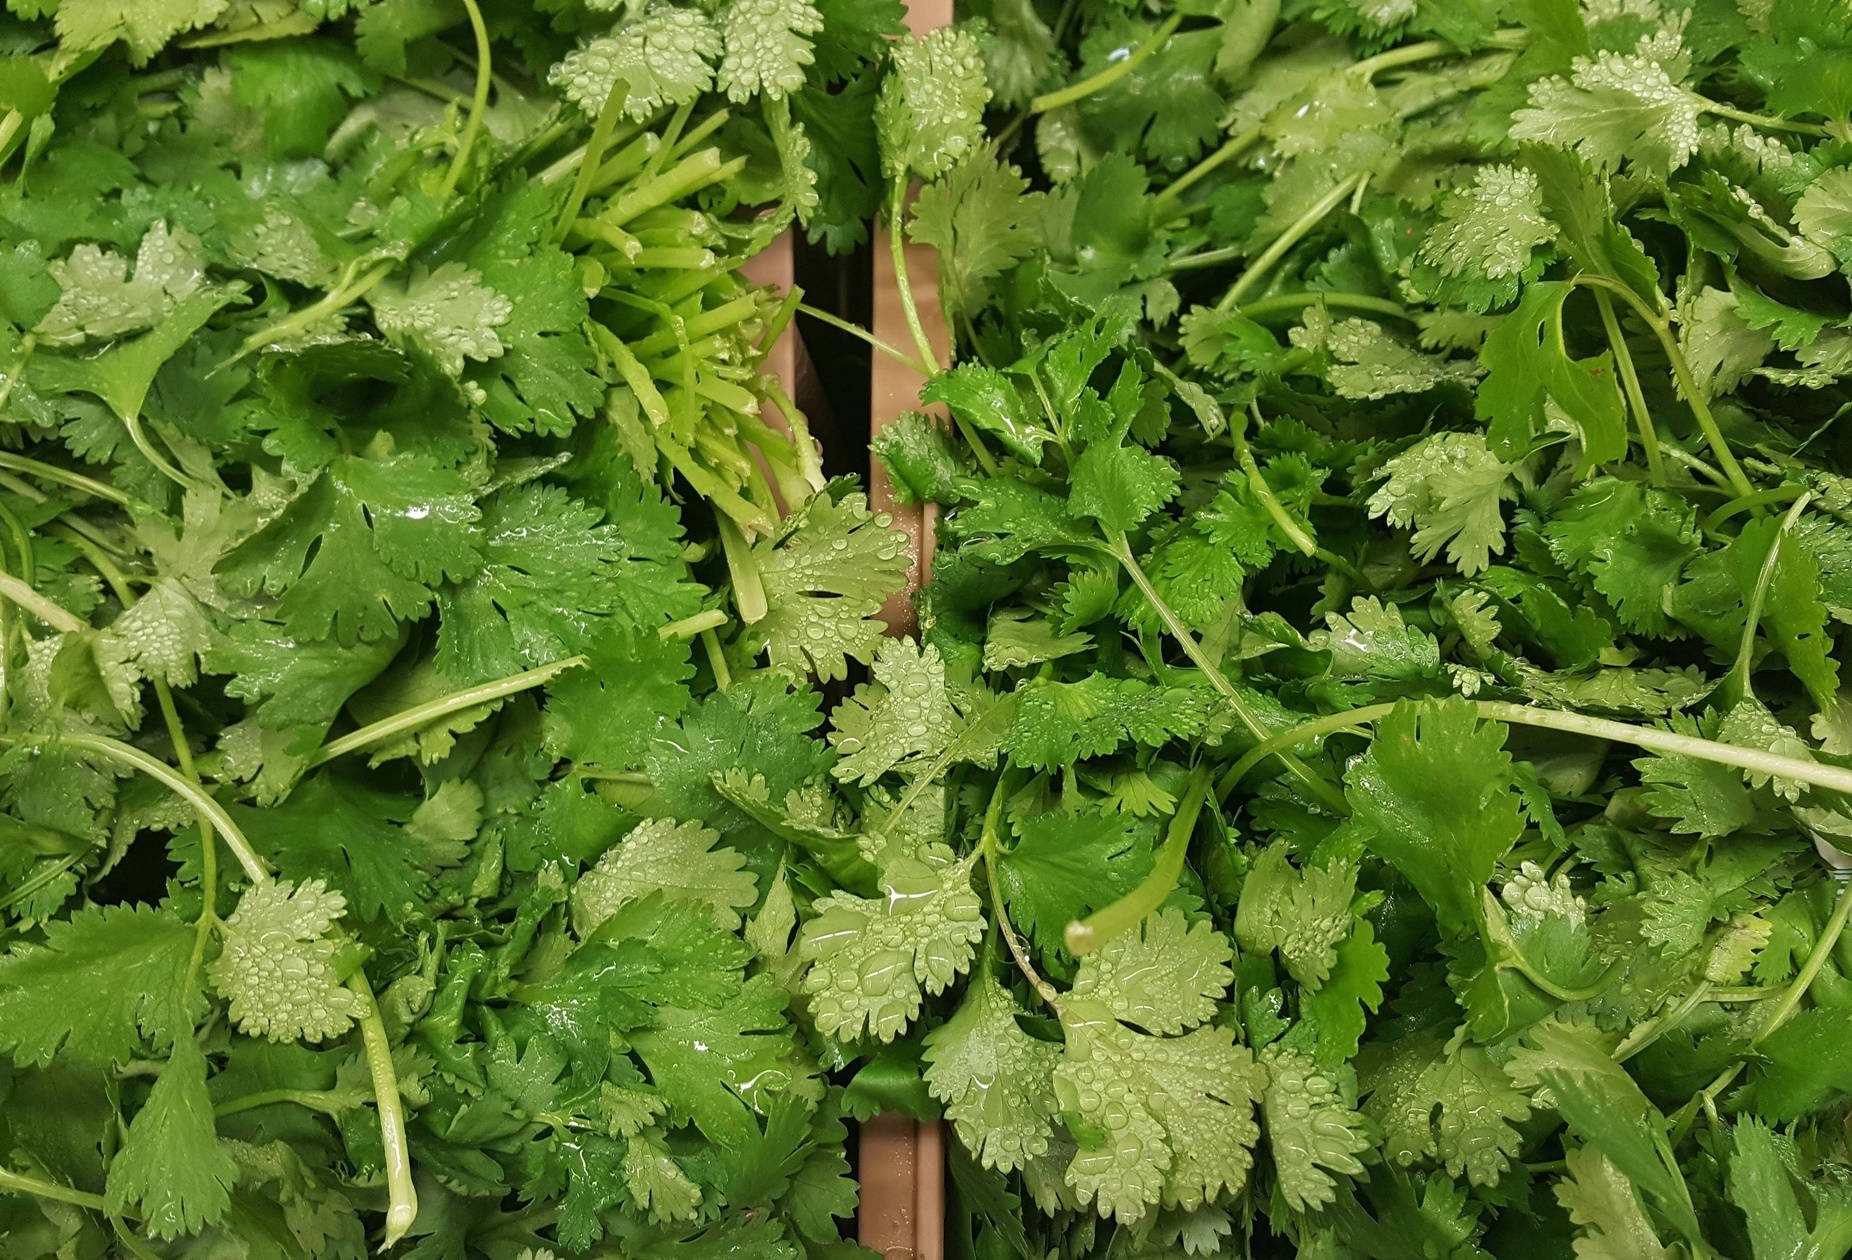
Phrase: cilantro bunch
(403,552)
(1373,779)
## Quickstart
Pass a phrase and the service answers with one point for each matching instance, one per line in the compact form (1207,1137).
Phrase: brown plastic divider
(788,360)
(902,1161)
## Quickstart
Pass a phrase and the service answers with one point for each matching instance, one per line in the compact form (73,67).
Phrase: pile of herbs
(391,557)
(1372,780)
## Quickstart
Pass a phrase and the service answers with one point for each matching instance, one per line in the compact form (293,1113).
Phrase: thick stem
(1294,531)
(1280,302)
(593,155)
(401,1196)
(64,477)
(1810,970)
(11,588)
(420,716)
(18,1183)
(1765,121)
(1232,148)
(1084,936)
(1104,79)
(987,850)
(1758,598)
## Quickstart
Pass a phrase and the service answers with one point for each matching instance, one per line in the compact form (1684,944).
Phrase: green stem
(1630,385)
(331,303)
(164,774)
(1342,301)
(1810,970)
(987,850)
(843,325)
(1518,963)
(897,247)
(1121,550)
(1084,936)
(748,586)
(1104,79)
(479,103)
(27,345)
(1264,492)
(18,1183)
(593,155)
(1764,121)
(422,715)
(1232,148)
(402,1197)
(63,477)
(1681,372)
(1747,502)
(689,627)
(329,1102)
(1758,598)
(152,454)
(18,592)
(1818,774)
(960,743)
(1287,239)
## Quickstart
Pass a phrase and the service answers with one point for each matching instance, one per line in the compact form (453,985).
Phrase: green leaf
(994,1078)
(983,220)
(1600,1199)
(826,573)
(1765,1171)
(1802,1063)
(1617,108)
(874,961)
(1449,1103)
(900,720)
(1631,542)
(1568,1067)
(1154,1118)
(171,1172)
(1065,865)
(130,965)
(677,860)
(768,47)
(1492,236)
(664,57)
(931,112)
(1527,365)
(1449,487)
(1163,977)
(276,966)
(1803,61)
(86,25)
(1302,912)
(989,400)
(1445,831)
(1312,1132)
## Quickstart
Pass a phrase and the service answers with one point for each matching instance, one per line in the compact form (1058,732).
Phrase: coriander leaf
(873,961)
(1527,368)
(1056,724)
(130,965)
(665,57)
(718,1063)
(1630,541)
(171,1171)
(1310,1129)
(1491,236)
(679,861)
(983,220)
(1165,976)
(276,966)
(1606,1206)
(1444,832)
(931,110)
(826,573)
(1619,108)
(1154,1119)
(1066,864)
(448,314)
(1449,487)
(994,1079)
(768,46)
(1303,913)
(1451,1103)
(900,719)
(362,547)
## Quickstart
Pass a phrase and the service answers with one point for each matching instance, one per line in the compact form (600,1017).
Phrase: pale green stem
(1810,970)
(1121,550)
(1294,531)
(1758,598)
(1233,147)
(1756,760)
(18,1183)
(1289,238)
(897,246)
(63,477)
(1630,385)
(1764,121)
(18,592)
(420,716)
(1084,936)
(401,1195)
(892,352)
(1104,79)
(478,105)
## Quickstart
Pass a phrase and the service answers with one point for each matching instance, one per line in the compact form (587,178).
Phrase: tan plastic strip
(903,1163)
(788,360)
